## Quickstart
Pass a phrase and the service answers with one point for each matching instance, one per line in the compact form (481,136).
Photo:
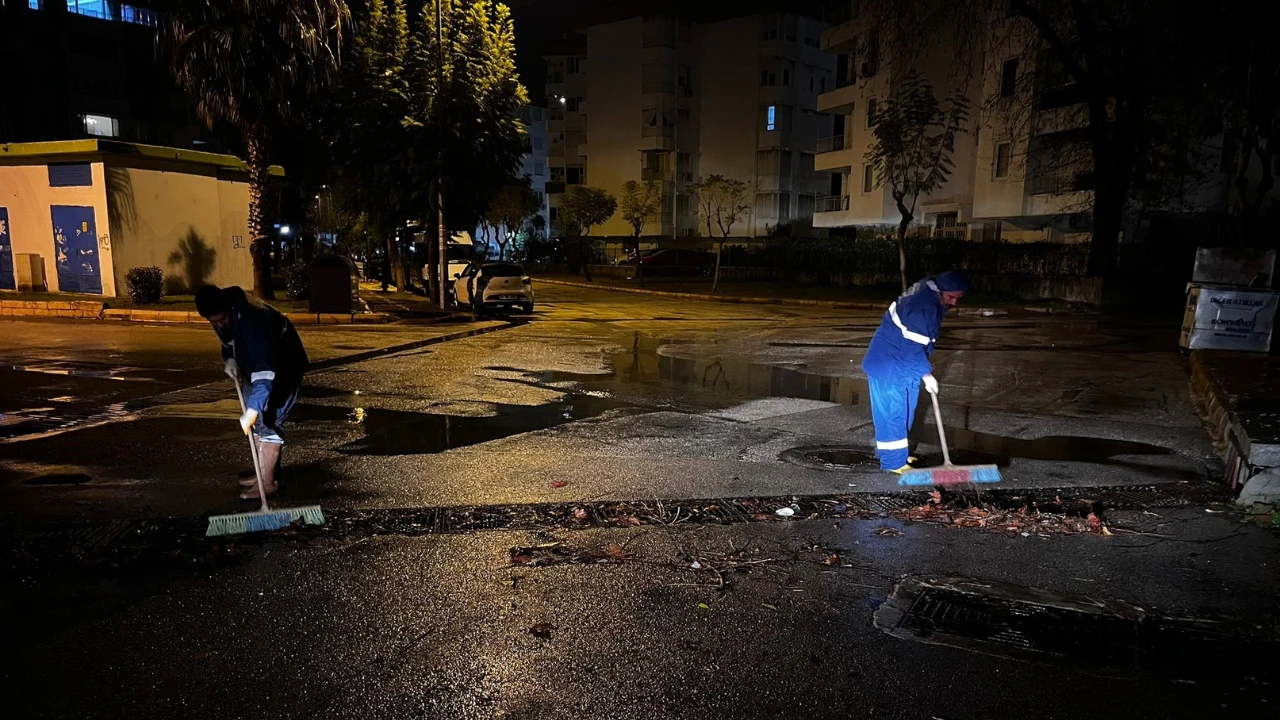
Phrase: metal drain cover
(1043,626)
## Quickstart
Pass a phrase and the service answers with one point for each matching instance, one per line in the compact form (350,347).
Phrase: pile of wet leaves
(1018,518)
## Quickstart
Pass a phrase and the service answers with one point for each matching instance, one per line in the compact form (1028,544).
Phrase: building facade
(1023,168)
(670,101)
(79,214)
(88,68)
(534,163)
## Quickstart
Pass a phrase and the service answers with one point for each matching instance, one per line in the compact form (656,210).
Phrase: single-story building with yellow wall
(76,215)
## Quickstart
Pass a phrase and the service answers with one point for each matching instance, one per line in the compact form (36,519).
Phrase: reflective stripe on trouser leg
(892,407)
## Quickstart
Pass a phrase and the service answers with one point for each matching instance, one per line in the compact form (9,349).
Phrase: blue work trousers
(893,408)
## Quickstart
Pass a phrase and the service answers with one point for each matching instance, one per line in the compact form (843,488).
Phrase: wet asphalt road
(601,396)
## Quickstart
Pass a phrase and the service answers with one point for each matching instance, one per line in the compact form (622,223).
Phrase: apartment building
(534,162)
(1023,169)
(667,100)
(87,69)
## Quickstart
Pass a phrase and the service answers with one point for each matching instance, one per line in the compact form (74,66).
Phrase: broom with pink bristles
(948,474)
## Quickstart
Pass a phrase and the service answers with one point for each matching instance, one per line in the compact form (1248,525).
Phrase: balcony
(831,203)
(664,87)
(773,183)
(841,100)
(842,160)
(654,174)
(842,36)
(835,143)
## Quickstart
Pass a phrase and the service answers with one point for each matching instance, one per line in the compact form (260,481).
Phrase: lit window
(1004,151)
(101,125)
(770,122)
(139,16)
(100,9)
(35,4)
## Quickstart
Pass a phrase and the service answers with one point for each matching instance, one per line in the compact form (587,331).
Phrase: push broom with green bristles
(264,519)
(948,474)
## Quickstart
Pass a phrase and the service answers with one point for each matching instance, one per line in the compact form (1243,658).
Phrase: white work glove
(247,420)
(930,383)
(231,369)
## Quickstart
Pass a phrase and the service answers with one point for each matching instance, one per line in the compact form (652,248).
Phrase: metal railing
(831,203)
(834,143)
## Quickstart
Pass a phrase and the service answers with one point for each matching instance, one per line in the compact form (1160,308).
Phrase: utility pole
(443,270)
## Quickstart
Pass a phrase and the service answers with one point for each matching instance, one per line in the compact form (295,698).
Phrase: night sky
(540,22)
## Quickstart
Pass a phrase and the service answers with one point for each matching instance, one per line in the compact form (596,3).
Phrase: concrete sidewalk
(1239,396)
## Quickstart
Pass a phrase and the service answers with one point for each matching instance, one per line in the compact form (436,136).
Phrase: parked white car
(492,285)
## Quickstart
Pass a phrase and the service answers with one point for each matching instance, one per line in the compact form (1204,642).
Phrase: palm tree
(255,64)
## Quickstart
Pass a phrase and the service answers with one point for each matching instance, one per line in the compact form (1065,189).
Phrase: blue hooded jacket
(901,346)
(266,347)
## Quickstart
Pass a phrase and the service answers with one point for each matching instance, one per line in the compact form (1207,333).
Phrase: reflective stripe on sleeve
(892,445)
(264,375)
(908,334)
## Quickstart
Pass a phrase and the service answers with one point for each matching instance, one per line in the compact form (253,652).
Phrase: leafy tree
(515,203)
(915,136)
(252,63)
(414,111)
(640,202)
(721,200)
(583,208)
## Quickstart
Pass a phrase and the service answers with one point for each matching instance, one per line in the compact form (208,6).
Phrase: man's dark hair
(211,300)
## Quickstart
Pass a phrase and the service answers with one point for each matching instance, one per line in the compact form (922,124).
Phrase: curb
(89,310)
(832,304)
(81,309)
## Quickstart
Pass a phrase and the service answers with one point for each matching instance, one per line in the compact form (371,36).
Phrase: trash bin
(1230,305)
(334,285)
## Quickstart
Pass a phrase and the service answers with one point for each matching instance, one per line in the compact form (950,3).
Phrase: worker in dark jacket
(262,352)
(897,362)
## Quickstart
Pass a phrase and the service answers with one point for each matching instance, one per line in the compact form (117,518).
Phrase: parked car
(492,285)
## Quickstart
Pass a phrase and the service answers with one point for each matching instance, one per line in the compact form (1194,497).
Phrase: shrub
(297,281)
(144,284)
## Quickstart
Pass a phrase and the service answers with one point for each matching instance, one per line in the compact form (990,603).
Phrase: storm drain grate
(1038,625)
(87,536)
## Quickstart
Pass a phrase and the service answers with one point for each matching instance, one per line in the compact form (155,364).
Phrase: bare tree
(915,136)
(640,203)
(721,200)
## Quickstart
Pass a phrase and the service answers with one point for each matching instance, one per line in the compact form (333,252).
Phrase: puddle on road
(716,378)
(79,370)
(974,448)
(394,432)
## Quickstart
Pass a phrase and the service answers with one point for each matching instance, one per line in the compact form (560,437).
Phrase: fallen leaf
(704,606)
(889,532)
(579,514)
(616,552)
(771,607)
(832,559)
(935,497)
(541,630)
(559,483)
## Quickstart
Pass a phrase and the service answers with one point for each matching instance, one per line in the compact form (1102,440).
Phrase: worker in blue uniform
(262,352)
(897,362)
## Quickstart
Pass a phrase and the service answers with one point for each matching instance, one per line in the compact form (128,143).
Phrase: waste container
(1230,305)
(334,285)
